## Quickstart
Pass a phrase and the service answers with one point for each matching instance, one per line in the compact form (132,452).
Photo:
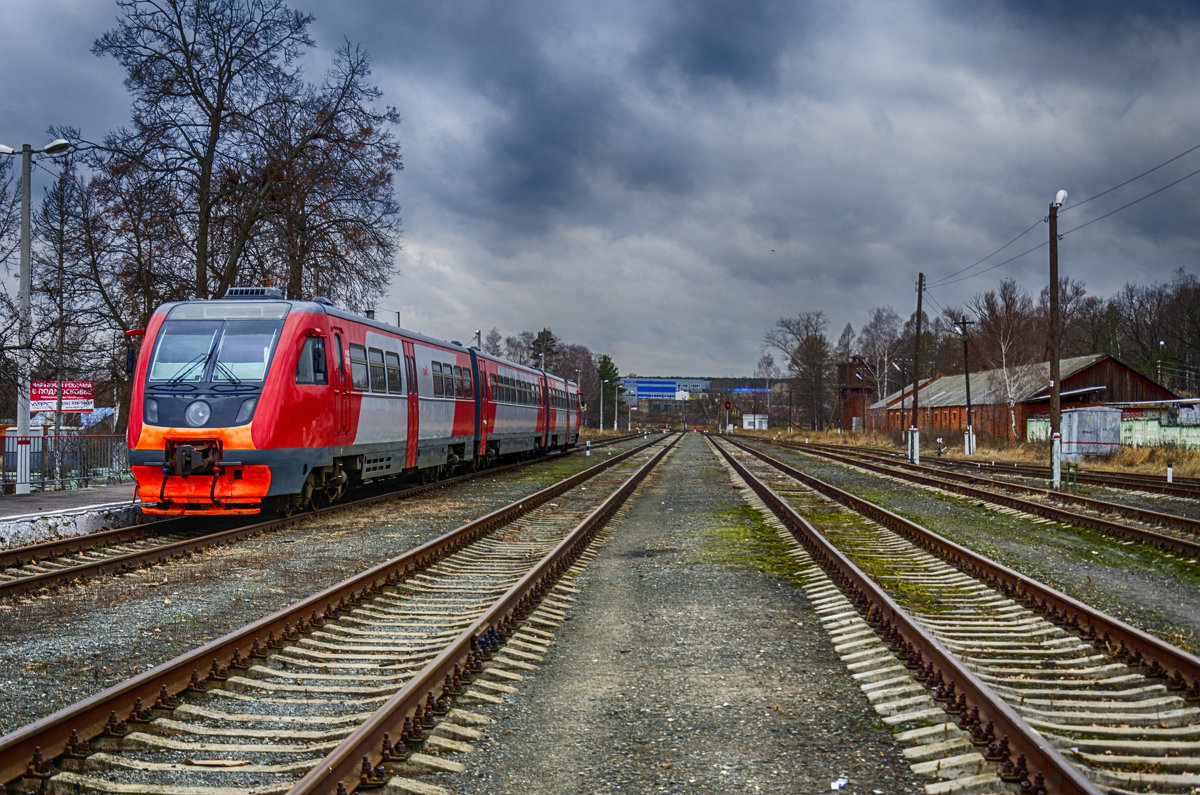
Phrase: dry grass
(1147,460)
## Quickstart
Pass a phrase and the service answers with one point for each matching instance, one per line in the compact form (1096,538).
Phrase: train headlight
(150,415)
(197,413)
(246,411)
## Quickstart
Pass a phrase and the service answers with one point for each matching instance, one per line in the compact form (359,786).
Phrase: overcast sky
(661,181)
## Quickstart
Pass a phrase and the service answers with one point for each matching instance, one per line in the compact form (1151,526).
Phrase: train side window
(438,388)
(310,369)
(359,379)
(378,374)
(460,385)
(492,386)
(337,343)
(393,373)
(468,384)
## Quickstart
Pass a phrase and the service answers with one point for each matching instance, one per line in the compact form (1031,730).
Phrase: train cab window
(378,374)
(359,379)
(341,361)
(393,373)
(439,389)
(310,369)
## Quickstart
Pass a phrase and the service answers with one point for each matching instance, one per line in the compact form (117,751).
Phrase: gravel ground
(685,668)
(58,649)
(1153,590)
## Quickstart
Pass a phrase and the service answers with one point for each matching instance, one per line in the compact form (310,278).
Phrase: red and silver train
(253,402)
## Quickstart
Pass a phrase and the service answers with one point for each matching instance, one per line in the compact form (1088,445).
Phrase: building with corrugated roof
(1002,401)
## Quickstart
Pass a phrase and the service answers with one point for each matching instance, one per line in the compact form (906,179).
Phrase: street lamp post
(24,309)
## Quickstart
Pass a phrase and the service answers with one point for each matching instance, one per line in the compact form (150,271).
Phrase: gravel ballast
(59,648)
(683,667)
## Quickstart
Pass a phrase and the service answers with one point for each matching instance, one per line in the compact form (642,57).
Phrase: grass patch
(742,537)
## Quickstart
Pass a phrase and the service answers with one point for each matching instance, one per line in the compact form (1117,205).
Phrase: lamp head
(1060,198)
(6,150)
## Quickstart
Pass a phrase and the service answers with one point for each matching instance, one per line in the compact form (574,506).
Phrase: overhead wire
(946,279)
(1167,162)
(1130,204)
(951,278)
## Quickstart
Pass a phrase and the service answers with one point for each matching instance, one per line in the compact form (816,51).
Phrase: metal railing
(67,461)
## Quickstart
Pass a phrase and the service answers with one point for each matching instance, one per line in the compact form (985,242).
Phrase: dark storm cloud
(663,180)
(718,41)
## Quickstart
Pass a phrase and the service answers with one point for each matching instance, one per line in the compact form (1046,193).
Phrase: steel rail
(362,749)
(1179,522)
(964,694)
(49,737)
(1153,656)
(1180,487)
(11,557)
(32,553)
(1180,545)
(130,561)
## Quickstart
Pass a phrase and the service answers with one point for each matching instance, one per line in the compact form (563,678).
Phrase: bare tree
(809,358)
(331,212)
(519,348)
(879,341)
(202,75)
(1008,343)
(492,342)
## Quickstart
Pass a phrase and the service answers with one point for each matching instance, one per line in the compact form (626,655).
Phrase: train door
(566,406)
(341,388)
(547,414)
(477,394)
(414,406)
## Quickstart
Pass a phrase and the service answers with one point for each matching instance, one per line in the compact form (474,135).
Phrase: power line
(946,279)
(1130,204)
(950,278)
(1133,179)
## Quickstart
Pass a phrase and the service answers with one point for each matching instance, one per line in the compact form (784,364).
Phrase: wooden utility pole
(970,446)
(917,348)
(1055,387)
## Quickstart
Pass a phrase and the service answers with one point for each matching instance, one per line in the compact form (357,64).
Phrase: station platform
(40,503)
(44,515)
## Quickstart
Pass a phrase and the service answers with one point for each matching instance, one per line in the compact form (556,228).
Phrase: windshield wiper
(187,368)
(233,379)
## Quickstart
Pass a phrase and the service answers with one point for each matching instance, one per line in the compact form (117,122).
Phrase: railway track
(53,564)
(1172,532)
(1187,488)
(1178,487)
(347,686)
(1002,676)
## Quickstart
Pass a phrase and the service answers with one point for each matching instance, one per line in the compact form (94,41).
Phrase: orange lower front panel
(236,490)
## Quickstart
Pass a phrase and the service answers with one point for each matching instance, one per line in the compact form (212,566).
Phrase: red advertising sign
(76,396)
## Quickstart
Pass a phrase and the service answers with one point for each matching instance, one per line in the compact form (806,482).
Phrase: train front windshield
(216,343)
